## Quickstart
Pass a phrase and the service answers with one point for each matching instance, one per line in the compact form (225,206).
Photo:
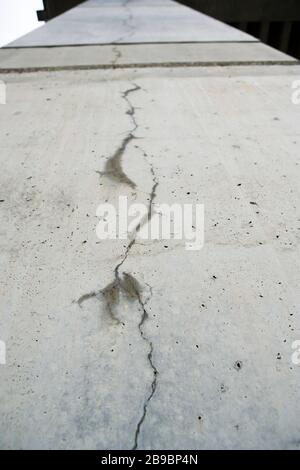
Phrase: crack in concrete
(147,218)
(126,23)
(145,316)
(111,296)
(126,283)
(85,297)
(132,289)
(131,109)
(117,53)
(112,291)
(134,234)
(113,167)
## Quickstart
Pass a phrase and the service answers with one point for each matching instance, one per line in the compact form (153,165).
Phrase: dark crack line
(144,318)
(113,167)
(127,284)
(153,390)
(112,291)
(149,214)
(126,23)
(132,289)
(131,109)
(134,286)
(134,234)
(85,297)
(117,53)
(110,294)
(145,220)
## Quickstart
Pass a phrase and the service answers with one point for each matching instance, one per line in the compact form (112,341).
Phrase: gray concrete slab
(139,21)
(140,55)
(220,322)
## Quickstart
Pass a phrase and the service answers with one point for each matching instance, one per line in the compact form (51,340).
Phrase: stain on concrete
(114,168)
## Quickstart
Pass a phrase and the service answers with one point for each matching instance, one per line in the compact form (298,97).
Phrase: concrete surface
(141,55)
(128,21)
(76,377)
(119,345)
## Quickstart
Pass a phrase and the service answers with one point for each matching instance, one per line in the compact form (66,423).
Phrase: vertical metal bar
(264,31)
(285,36)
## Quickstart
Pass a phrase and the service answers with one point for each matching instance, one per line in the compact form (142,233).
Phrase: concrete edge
(58,46)
(147,65)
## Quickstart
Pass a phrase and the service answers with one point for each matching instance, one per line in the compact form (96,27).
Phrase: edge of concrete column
(139,56)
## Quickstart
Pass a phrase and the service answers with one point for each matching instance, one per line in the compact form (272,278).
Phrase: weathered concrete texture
(140,55)
(129,21)
(150,346)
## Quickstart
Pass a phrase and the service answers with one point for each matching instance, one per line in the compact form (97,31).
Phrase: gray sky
(18,17)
